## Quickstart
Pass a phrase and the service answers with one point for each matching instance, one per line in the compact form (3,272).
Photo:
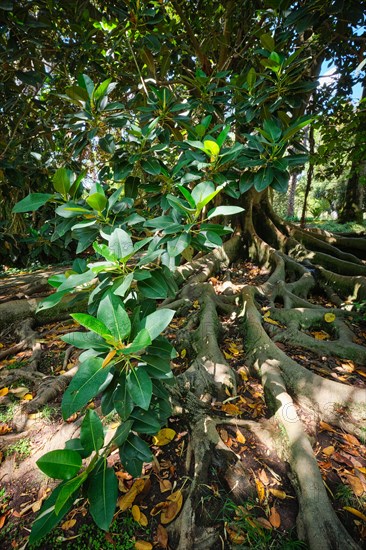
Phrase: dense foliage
(142,125)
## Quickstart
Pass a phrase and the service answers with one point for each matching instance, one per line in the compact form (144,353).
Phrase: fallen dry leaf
(355,512)
(261,491)
(274,518)
(143,545)
(162,536)
(165,485)
(158,508)
(328,451)
(229,408)
(239,437)
(68,524)
(351,439)
(173,508)
(164,436)
(278,493)
(356,484)
(4,391)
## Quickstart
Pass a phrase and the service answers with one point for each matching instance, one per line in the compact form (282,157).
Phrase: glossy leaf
(60,464)
(102,496)
(84,385)
(114,316)
(91,432)
(139,387)
(32,202)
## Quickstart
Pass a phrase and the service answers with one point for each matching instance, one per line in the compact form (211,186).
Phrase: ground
(268,445)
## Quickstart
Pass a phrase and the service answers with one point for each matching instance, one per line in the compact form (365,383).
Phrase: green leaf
(120,287)
(75,445)
(139,387)
(102,496)
(154,287)
(272,128)
(224,211)
(157,321)
(202,190)
(85,340)
(47,519)
(267,42)
(63,180)
(145,422)
(251,78)
(90,322)
(120,243)
(31,202)
(104,251)
(187,195)
(122,399)
(114,316)
(107,144)
(151,166)
(141,341)
(133,453)
(122,433)
(97,201)
(91,432)
(177,245)
(77,280)
(84,385)
(263,178)
(51,300)
(86,83)
(68,489)
(60,464)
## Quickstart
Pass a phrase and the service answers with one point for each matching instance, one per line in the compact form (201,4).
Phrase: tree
(201,117)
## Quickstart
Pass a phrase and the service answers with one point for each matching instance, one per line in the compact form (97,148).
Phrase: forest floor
(257,510)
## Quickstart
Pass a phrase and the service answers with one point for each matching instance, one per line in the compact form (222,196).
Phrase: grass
(241,519)
(22,449)
(89,537)
(7,414)
(335,227)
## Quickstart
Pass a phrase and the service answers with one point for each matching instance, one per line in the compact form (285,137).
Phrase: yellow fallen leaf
(355,512)
(229,408)
(174,506)
(136,513)
(1,345)
(4,391)
(196,304)
(125,501)
(165,485)
(143,545)
(261,492)
(183,353)
(329,317)
(164,436)
(272,321)
(320,335)
(239,437)
(362,470)
(274,518)
(109,358)
(356,484)
(227,355)
(68,524)
(28,397)
(278,493)
(19,392)
(328,451)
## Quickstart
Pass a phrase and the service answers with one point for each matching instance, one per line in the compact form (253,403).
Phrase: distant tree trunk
(292,194)
(309,177)
(353,205)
